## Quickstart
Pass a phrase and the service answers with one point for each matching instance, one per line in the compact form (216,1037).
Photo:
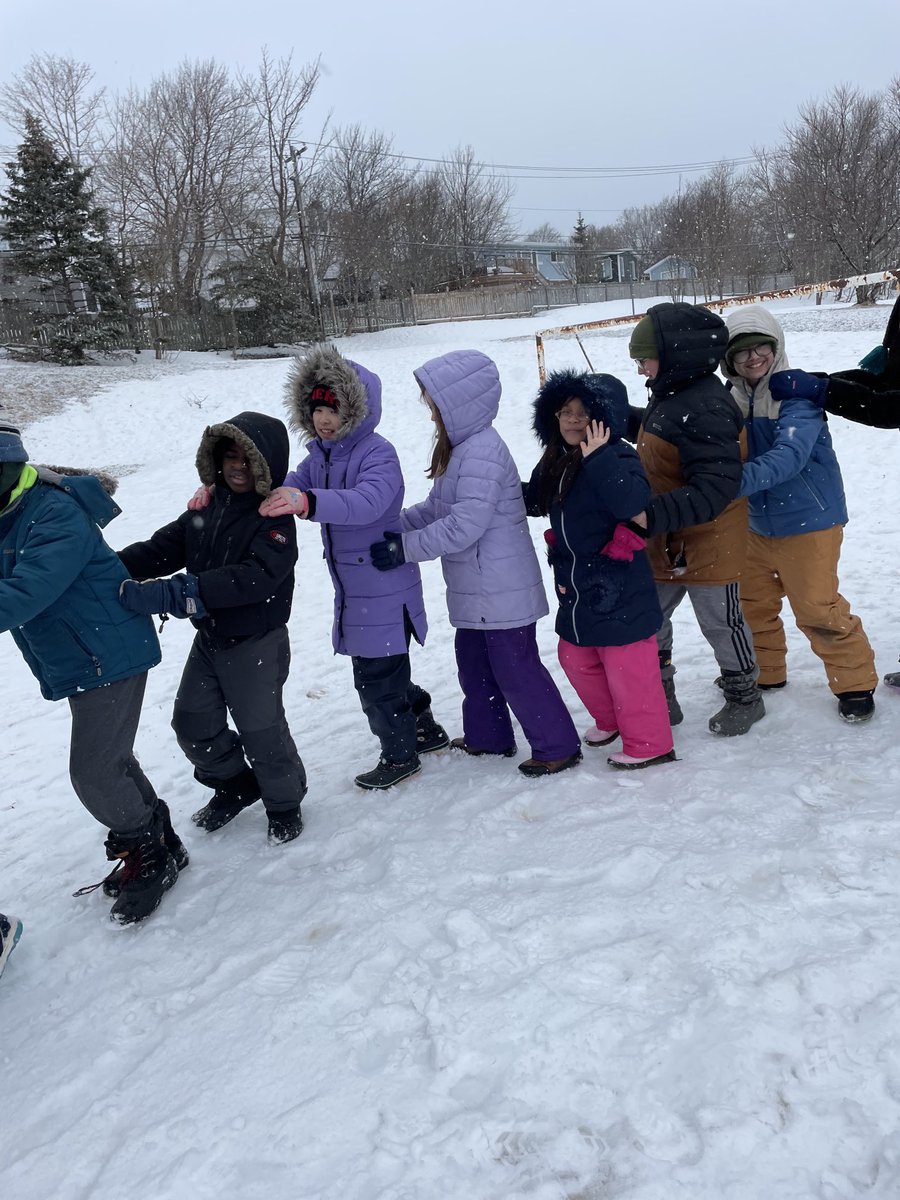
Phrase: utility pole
(309,260)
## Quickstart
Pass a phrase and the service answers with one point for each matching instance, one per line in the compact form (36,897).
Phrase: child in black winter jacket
(237,592)
(588,482)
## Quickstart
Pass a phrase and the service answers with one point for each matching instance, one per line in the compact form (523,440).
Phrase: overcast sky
(625,84)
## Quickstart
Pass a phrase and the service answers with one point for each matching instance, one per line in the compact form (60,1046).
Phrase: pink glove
(623,543)
(284,502)
(200,499)
(550,538)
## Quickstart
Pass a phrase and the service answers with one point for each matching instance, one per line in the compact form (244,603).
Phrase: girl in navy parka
(587,482)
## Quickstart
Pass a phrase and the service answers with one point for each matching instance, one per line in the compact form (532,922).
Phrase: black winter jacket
(602,601)
(244,562)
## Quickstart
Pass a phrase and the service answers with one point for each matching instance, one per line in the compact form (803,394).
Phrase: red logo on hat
(323,395)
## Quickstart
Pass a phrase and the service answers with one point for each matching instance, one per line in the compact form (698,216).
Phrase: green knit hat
(744,341)
(643,340)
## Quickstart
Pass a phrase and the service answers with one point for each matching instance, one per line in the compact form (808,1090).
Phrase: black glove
(388,554)
(178,596)
(784,385)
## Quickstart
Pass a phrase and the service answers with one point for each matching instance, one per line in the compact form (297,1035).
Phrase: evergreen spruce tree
(59,235)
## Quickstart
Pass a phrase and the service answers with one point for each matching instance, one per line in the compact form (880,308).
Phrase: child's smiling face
(236,469)
(326,422)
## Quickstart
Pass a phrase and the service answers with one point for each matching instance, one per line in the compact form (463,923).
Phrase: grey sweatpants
(106,776)
(717,608)
(245,680)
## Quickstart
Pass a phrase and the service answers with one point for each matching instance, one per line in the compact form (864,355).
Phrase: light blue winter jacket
(791,478)
(474,517)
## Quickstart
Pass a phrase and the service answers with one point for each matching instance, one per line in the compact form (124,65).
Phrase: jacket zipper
(562,528)
(331,557)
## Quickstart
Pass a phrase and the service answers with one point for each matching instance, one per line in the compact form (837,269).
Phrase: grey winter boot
(676,716)
(743,705)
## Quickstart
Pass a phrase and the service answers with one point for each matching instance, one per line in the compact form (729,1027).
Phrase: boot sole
(648,762)
(383,787)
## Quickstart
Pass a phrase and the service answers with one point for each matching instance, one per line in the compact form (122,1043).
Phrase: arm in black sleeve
(531,493)
(865,398)
(163,554)
(635,417)
(707,442)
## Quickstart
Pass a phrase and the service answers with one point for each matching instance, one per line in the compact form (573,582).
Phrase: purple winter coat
(474,517)
(356,487)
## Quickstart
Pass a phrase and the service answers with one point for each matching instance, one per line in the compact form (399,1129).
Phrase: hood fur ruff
(108,482)
(207,468)
(325,365)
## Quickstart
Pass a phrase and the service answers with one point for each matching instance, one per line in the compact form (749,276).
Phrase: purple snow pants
(500,668)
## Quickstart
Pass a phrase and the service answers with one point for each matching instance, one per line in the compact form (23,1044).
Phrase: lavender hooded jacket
(474,517)
(358,489)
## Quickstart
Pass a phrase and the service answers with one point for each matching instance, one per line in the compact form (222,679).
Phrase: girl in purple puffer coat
(474,521)
(351,484)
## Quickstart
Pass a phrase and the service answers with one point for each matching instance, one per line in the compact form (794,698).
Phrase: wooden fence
(241,329)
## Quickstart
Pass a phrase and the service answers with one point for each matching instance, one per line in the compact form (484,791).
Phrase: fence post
(412,298)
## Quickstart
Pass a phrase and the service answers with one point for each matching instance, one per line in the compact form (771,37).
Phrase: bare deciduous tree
(836,182)
(478,204)
(59,92)
(183,169)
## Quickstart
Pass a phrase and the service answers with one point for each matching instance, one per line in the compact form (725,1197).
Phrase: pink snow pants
(621,688)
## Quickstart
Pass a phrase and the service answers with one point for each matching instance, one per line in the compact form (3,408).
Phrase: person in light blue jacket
(797,515)
(474,521)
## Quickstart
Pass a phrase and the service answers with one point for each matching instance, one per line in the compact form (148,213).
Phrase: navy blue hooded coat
(602,601)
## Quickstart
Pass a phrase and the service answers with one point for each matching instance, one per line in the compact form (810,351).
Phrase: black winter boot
(148,873)
(173,843)
(743,705)
(386,774)
(231,797)
(676,716)
(285,826)
(429,735)
(856,707)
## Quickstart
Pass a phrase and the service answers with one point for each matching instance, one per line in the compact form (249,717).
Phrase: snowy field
(681,984)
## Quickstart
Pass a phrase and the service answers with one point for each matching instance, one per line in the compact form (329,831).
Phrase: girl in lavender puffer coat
(474,521)
(351,484)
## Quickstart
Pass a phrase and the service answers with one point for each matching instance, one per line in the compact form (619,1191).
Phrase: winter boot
(535,768)
(596,737)
(461,744)
(174,845)
(676,716)
(285,826)
(148,874)
(10,932)
(856,707)
(231,797)
(743,705)
(627,762)
(892,679)
(429,735)
(386,774)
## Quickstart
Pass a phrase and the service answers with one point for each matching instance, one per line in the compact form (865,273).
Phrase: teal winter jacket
(59,588)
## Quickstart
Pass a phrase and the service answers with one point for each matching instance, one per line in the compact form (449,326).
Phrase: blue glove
(178,596)
(785,385)
(388,554)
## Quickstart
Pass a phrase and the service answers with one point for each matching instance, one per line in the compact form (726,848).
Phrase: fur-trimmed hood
(263,439)
(358,391)
(604,396)
(108,482)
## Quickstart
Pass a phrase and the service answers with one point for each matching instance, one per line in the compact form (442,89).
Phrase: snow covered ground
(682,984)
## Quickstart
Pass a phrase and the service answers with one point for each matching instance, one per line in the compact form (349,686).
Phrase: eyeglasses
(566,414)
(642,362)
(762,351)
